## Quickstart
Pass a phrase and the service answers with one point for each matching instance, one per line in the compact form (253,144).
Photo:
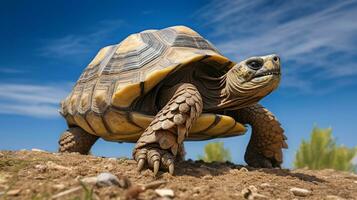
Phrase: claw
(171,168)
(141,163)
(156,167)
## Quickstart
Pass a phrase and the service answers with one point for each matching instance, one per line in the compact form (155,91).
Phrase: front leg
(267,139)
(162,141)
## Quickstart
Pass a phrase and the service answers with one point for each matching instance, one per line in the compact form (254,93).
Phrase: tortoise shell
(101,99)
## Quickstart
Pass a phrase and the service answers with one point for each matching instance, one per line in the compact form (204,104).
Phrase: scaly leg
(76,139)
(267,139)
(162,141)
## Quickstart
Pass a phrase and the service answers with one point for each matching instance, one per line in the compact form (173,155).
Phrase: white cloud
(316,38)
(79,44)
(8,70)
(32,100)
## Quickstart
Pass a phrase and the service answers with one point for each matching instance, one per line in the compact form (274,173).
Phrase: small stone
(112,159)
(333,197)
(53,165)
(124,182)
(265,185)
(207,177)
(234,171)
(243,169)
(197,190)
(107,179)
(89,180)
(355,182)
(39,177)
(41,168)
(38,150)
(253,188)
(130,161)
(252,193)
(13,192)
(58,186)
(247,193)
(300,192)
(257,196)
(108,167)
(165,192)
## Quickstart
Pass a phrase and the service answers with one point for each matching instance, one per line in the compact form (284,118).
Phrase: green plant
(322,152)
(87,192)
(215,151)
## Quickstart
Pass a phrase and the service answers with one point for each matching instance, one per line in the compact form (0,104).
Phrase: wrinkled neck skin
(235,93)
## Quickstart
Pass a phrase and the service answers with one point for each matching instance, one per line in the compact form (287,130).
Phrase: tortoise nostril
(276,58)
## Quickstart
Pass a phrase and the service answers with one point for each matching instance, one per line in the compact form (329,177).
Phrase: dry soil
(44,175)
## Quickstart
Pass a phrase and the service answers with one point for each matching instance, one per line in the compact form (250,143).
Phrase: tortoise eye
(255,64)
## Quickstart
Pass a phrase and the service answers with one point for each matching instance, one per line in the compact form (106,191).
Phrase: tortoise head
(252,79)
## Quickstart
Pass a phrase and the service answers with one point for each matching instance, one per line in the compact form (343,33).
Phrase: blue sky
(46,44)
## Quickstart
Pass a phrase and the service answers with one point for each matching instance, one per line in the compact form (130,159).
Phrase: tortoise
(159,88)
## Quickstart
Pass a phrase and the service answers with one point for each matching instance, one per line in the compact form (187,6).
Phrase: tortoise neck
(232,95)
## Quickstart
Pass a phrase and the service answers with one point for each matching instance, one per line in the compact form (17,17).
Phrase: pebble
(234,171)
(248,192)
(13,192)
(113,159)
(265,185)
(133,162)
(197,189)
(252,193)
(53,165)
(355,181)
(39,177)
(107,179)
(300,192)
(207,177)
(165,192)
(243,169)
(333,197)
(108,167)
(58,186)
(41,168)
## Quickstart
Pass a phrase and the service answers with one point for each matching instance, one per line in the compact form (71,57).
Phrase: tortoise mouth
(267,73)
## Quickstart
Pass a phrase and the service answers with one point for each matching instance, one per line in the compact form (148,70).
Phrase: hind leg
(76,139)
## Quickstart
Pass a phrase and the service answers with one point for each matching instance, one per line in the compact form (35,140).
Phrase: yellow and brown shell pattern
(100,100)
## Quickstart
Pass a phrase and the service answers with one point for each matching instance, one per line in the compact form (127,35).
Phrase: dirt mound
(42,175)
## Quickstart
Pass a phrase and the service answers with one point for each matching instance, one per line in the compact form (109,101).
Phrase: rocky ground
(42,175)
